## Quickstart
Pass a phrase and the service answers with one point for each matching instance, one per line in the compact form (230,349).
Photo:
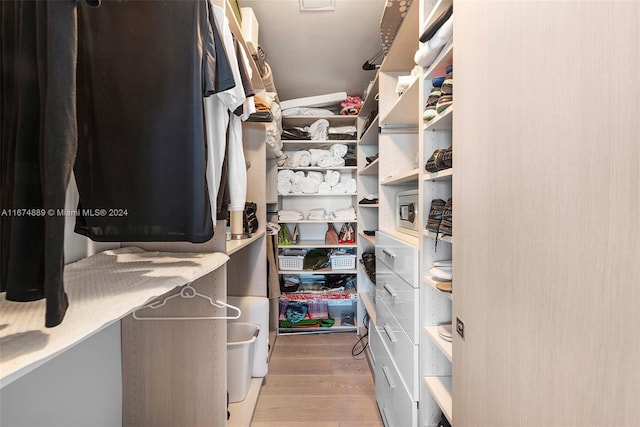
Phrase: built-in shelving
(317,194)
(431,282)
(436,11)
(327,270)
(370,169)
(302,121)
(439,236)
(370,205)
(369,306)
(438,68)
(316,168)
(404,111)
(369,137)
(233,246)
(317,244)
(406,177)
(316,221)
(286,331)
(290,144)
(445,174)
(443,121)
(370,239)
(440,388)
(444,346)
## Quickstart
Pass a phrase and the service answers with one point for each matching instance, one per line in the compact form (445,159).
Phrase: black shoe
(371,159)
(369,262)
(436,161)
(447,158)
(446,226)
(435,215)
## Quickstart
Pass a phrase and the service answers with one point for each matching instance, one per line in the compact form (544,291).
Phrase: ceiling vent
(317,5)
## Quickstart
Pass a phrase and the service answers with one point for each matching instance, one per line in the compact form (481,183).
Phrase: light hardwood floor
(314,381)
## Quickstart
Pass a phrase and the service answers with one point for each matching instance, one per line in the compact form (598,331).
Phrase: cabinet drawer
(401,299)
(397,408)
(399,347)
(399,257)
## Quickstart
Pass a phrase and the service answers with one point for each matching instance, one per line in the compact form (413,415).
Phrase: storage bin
(241,338)
(292,259)
(343,262)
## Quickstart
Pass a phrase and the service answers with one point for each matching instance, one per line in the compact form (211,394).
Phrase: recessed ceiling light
(317,5)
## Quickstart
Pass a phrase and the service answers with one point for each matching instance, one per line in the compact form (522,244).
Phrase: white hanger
(188,292)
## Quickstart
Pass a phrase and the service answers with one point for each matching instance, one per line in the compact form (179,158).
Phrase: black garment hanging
(38,122)
(143,69)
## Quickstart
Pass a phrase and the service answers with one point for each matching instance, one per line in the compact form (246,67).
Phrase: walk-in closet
(240,213)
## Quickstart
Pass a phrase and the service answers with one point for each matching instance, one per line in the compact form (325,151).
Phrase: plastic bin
(241,338)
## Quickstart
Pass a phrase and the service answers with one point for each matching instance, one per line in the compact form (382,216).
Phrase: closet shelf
(370,102)
(444,346)
(368,206)
(334,120)
(403,237)
(436,11)
(405,43)
(317,244)
(431,282)
(316,194)
(370,136)
(286,331)
(438,68)
(442,121)
(409,176)
(316,168)
(442,175)
(103,289)
(368,305)
(370,169)
(404,111)
(441,237)
(242,412)
(318,221)
(233,246)
(327,270)
(288,145)
(370,239)
(440,389)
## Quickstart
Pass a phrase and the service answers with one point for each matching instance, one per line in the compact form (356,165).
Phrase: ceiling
(314,53)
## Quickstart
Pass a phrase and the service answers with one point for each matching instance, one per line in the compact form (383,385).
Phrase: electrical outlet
(460,327)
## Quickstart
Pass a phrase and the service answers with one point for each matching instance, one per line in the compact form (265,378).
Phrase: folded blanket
(339,188)
(298,176)
(301,158)
(318,130)
(326,161)
(284,187)
(351,186)
(324,188)
(309,185)
(287,215)
(332,177)
(316,154)
(296,189)
(316,176)
(343,132)
(317,211)
(285,175)
(338,150)
(338,162)
(345,211)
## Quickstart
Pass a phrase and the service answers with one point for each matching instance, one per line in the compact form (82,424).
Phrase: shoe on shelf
(446,226)
(435,215)
(436,161)
(447,158)
(430,110)
(443,103)
(369,262)
(371,159)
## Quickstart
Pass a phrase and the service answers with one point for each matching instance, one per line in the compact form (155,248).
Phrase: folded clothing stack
(369,199)
(314,182)
(314,157)
(318,214)
(347,214)
(289,215)
(342,133)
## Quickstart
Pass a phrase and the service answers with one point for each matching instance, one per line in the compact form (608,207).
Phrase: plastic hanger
(188,292)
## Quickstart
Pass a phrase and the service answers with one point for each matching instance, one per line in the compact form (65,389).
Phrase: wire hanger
(188,292)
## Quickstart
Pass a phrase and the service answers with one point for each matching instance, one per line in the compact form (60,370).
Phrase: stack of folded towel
(347,214)
(289,215)
(333,157)
(331,182)
(317,214)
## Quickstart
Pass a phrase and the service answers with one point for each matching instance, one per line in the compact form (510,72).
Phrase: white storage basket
(292,259)
(343,262)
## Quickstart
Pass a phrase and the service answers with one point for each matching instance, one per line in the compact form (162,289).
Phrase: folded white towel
(296,189)
(342,130)
(284,187)
(285,175)
(317,214)
(338,150)
(288,215)
(318,130)
(316,176)
(309,186)
(338,162)
(324,188)
(317,211)
(301,158)
(326,161)
(289,212)
(298,177)
(339,188)
(351,186)
(316,153)
(345,211)
(332,177)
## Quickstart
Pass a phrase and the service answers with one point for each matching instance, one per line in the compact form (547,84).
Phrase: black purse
(250,220)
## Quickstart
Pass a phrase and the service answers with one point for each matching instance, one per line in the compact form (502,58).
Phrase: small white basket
(343,262)
(292,259)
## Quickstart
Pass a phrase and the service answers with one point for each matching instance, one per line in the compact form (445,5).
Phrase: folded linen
(316,176)
(327,161)
(345,211)
(324,188)
(317,211)
(316,154)
(285,175)
(339,188)
(338,150)
(289,215)
(338,162)
(318,130)
(297,177)
(351,186)
(309,185)
(332,177)
(284,187)
(301,158)
(296,189)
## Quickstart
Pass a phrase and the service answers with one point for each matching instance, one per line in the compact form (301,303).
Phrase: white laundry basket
(241,338)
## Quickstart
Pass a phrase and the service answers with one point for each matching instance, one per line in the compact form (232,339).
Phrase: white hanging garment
(237,169)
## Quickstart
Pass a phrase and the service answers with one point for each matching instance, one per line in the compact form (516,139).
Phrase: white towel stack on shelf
(347,214)
(317,214)
(333,157)
(289,215)
(314,182)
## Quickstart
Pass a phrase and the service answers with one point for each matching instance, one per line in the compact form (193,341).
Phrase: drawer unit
(399,257)
(399,347)
(401,299)
(397,408)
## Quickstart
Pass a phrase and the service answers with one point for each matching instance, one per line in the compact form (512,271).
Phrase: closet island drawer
(401,299)
(399,348)
(397,408)
(399,257)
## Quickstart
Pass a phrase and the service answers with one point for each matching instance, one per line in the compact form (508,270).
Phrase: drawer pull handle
(385,417)
(389,253)
(388,377)
(389,332)
(390,290)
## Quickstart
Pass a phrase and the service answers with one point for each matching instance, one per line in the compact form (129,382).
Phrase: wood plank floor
(314,382)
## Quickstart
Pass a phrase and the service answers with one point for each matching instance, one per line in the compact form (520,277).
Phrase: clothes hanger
(188,292)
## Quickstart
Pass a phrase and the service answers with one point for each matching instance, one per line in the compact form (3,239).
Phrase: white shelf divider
(444,346)
(440,388)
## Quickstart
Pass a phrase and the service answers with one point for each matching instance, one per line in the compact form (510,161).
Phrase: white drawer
(400,348)
(399,256)
(397,408)
(403,300)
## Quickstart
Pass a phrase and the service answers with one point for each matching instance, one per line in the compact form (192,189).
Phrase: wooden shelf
(370,102)
(290,145)
(327,270)
(405,43)
(442,121)
(368,205)
(439,65)
(242,412)
(370,136)
(233,246)
(404,237)
(370,169)
(442,175)
(370,239)
(368,305)
(316,194)
(316,244)
(431,282)
(440,389)
(436,11)
(316,168)
(409,176)
(405,110)
(286,331)
(444,346)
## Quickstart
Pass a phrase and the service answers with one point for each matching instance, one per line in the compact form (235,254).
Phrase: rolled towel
(338,150)
(324,188)
(285,175)
(301,158)
(327,160)
(298,176)
(332,177)
(339,188)
(337,162)
(296,189)
(284,187)
(309,186)
(319,130)
(316,176)
(351,186)
(316,154)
